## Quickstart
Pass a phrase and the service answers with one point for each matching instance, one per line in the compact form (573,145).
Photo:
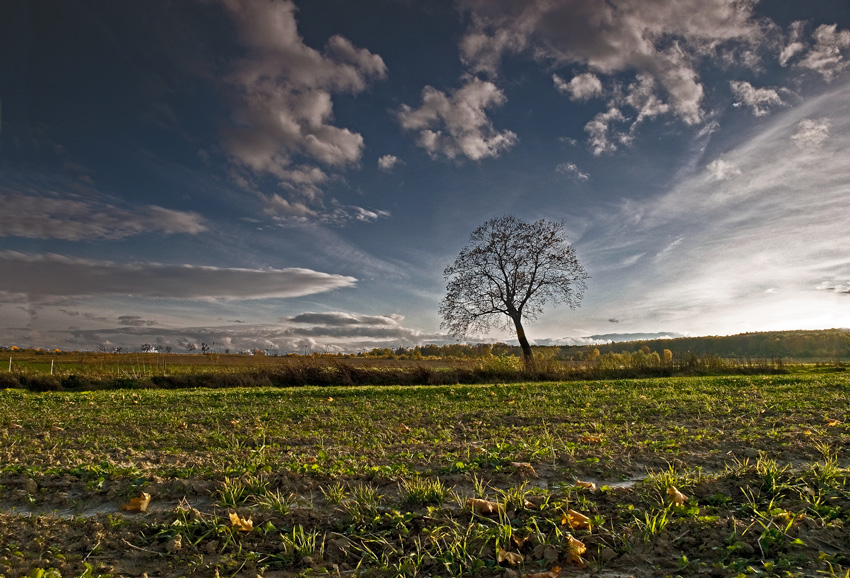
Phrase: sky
(296,175)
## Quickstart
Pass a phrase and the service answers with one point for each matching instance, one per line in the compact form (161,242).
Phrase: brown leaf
(485,507)
(139,504)
(512,558)
(241,524)
(591,439)
(404,428)
(15,426)
(678,497)
(55,428)
(589,485)
(575,548)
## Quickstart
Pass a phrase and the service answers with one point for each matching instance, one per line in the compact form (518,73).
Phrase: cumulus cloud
(811,133)
(663,39)
(282,122)
(827,57)
(758,100)
(388,162)
(572,171)
(600,137)
(720,170)
(456,124)
(840,287)
(75,219)
(582,87)
(42,277)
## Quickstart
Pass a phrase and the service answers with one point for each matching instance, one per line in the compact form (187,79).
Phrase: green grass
(375,480)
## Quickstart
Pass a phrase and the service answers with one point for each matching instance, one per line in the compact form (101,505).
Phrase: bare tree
(506,273)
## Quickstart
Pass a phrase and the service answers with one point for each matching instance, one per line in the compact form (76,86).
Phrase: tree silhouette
(506,273)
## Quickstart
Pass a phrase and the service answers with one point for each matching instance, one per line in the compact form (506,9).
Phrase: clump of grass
(420,491)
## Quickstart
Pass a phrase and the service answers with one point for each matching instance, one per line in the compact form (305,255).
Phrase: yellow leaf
(404,428)
(512,558)
(575,520)
(139,504)
(591,439)
(832,422)
(575,548)
(330,399)
(678,497)
(589,485)
(808,432)
(485,507)
(241,524)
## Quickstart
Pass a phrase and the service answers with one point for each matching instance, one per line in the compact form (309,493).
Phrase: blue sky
(283,175)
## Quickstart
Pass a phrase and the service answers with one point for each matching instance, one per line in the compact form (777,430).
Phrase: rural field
(688,476)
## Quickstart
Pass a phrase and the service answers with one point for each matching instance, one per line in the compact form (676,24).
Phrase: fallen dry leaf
(330,399)
(678,497)
(524,467)
(234,422)
(15,426)
(519,540)
(575,520)
(241,524)
(56,428)
(832,422)
(139,504)
(588,485)
(590,439)
(404,428)
(485,507)
(553,573)
(575,548)
(512,558)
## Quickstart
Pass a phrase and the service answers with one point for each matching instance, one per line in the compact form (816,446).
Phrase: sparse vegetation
(735,475)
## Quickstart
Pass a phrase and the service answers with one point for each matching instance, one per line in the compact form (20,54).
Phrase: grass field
(382,481)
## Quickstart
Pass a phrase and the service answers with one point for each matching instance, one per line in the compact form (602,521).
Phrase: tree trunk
(527,355)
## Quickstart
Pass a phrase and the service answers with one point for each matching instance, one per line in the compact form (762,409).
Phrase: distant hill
(801,344)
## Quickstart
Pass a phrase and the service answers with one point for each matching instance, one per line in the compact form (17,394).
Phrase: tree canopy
(506,273)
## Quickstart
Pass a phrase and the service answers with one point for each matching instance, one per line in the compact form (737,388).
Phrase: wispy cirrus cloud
(74,218)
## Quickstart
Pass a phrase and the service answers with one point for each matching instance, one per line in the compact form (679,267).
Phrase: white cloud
(582,87)
(572,171)
(779,228)
(282,120)
(599,132)
(794,45)
(811,133)
(456,125)
(720,170)
(75,219)
(759,100)
(388,162)
(49,276)
(827,55)
(662,39)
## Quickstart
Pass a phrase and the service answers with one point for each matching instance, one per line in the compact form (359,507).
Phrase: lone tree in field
(506,273)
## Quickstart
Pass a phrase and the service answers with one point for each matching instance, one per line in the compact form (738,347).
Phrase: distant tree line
(803,345)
